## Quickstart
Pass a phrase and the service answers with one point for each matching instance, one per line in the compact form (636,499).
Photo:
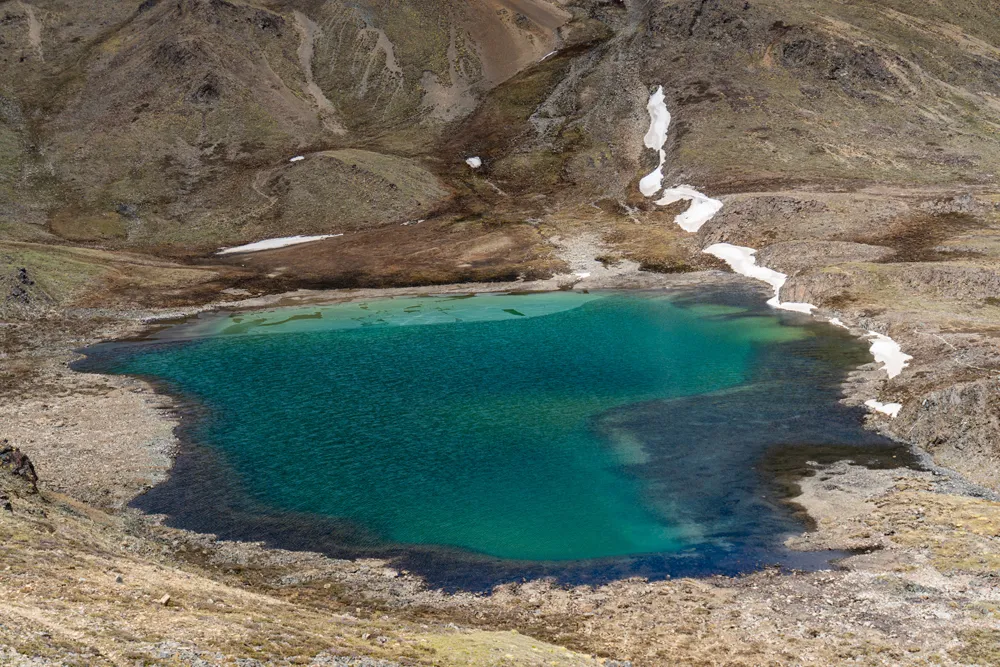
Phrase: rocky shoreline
(131,460)
(134,448)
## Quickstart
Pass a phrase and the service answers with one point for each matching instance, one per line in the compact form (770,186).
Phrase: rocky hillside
(168,126)
(853,143)
(169,121)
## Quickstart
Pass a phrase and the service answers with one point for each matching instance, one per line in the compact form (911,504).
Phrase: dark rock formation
(15,462)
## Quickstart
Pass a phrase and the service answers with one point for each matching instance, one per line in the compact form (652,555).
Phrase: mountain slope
(161,126)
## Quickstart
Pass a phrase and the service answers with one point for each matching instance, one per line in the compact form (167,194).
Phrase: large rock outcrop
(17,474)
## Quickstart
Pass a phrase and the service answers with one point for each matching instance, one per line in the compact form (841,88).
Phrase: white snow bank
(891,409)
(548,55)
(271,244)
(297,158)
(702,207)
(742,261)
(835,321)
(582,274)
(888,353)
(796,306)
(656,138)
(474,162)
(653,181)
(701,210)
(659,121)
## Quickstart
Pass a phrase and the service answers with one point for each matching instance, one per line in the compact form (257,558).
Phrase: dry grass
(61,596)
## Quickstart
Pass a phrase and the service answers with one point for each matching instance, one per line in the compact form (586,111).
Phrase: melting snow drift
(297,158)
(474,162)
(891,409)
(885,350)
(701,210)
(659,121)
(271,244)
(888,353)
(653,181)
(656,138)
(742,261)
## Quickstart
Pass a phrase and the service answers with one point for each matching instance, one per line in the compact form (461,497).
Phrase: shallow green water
(546,427)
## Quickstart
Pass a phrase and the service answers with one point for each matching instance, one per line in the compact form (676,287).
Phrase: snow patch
(474,162)
(659,121)
(548,55)
(656,138)
(271,244)
(298,158)
(794,306)
(891,409)
(835,321)
(582,274)
(742,261)
(653,181)
(888,353)
(702,208)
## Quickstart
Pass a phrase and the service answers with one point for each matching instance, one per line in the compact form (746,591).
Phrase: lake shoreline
(877,502)
(158,408)
(295,531)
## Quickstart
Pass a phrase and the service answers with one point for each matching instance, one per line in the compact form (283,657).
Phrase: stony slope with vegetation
(855,144)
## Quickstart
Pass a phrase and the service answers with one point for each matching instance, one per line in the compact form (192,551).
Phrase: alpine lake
(476,439)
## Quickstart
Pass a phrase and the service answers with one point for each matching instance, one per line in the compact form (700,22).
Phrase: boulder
(15,462)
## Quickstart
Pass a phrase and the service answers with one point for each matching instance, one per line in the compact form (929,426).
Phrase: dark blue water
(481,439)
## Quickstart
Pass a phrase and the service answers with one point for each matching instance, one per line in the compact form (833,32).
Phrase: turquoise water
(535,428)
